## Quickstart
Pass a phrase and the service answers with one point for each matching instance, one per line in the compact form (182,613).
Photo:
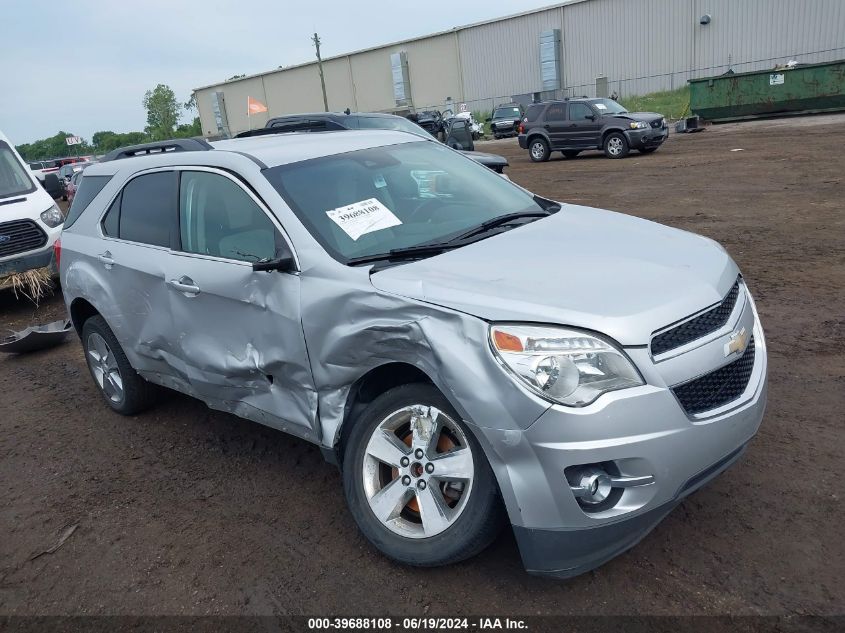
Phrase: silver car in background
(465,351)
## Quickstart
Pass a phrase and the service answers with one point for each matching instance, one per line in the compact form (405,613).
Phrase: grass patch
(672,104)
(32,284)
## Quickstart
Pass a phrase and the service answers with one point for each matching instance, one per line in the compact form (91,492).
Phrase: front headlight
(52,217)
(566,366)
(639,125)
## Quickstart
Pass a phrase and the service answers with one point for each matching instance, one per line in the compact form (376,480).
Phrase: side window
(111,223)
(217,217)
(579,112)
(533,112)
(87,189)
(148,209)
(556,112)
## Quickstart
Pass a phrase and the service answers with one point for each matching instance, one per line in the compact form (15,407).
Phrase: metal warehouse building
(580,47)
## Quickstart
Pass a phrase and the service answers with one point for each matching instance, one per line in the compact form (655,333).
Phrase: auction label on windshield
(363,217)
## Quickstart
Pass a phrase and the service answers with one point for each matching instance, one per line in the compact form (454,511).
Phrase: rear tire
(616,145)
(119,384)
(538,150)
(411,514)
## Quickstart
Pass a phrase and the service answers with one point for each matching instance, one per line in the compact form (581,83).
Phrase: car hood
(640,116)
(582,267)
(488,160)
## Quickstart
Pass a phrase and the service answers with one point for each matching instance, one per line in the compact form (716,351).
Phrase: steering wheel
(425,204)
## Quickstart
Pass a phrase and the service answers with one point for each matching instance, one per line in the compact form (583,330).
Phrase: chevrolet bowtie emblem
(737,343)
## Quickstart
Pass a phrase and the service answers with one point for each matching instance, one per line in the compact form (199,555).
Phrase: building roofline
(454,29)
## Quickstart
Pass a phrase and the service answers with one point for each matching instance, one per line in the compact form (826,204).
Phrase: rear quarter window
(533,112)
(86,190)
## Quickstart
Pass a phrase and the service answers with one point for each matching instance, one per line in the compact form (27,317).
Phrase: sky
(83,66)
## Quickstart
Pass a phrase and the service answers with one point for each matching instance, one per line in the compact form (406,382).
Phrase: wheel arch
(610,131)
(532,136)
(80,311)
(368,387)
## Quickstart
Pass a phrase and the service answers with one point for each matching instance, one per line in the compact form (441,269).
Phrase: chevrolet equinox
(465,351)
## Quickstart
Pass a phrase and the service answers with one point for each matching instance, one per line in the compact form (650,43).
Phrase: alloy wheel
(104,367)
(418,471)
(614,146)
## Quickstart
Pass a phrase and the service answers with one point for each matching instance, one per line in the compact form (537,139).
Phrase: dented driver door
(238,332)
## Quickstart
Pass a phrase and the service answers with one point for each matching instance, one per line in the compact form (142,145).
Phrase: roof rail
(159,147)
(262,131)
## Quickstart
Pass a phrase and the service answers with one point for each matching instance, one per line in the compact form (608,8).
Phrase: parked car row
(66,174)
(456,132)
(571,126)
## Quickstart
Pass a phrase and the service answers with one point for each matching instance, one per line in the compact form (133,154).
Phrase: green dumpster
(804,88)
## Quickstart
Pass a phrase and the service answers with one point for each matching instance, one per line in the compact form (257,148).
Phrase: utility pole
(316,40)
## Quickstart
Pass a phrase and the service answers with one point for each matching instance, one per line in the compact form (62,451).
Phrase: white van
(30,222)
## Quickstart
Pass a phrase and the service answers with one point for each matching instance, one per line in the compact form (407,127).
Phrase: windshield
(608,106)
(506,113)
(371,201)
(14,179)
(391,123)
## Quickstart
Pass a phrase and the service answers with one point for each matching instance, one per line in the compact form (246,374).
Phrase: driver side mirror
(283,264)
(283,261)
(591,117)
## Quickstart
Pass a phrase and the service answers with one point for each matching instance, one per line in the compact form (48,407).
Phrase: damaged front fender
(351,328)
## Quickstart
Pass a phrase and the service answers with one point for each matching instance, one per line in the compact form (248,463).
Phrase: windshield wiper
(496,222)
(408,252)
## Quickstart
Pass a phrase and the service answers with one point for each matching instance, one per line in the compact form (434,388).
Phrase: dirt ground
(184,510)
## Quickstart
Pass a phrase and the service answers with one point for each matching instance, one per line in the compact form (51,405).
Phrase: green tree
(106,140)
(187,130)
(191,104)
(52,147)
(162,112)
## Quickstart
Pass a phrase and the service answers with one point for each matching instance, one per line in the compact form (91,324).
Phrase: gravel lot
(184,510)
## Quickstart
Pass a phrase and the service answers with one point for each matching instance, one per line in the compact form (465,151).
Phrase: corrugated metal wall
(501,59)
(640,45)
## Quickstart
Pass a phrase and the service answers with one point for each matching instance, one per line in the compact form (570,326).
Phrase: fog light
(599,487)
(593,485)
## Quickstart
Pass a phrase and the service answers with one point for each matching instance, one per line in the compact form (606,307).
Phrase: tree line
(163,114)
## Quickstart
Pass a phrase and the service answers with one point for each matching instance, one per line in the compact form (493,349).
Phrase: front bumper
(44,258)
(523,141)
(641,432)
(504,128)
(567,553)
(648,138)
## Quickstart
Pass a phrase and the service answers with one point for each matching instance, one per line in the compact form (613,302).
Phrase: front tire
(616,145)
(416,480)
(538,150)
(119,384)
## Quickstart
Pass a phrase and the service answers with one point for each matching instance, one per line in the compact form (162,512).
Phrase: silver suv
(464,350)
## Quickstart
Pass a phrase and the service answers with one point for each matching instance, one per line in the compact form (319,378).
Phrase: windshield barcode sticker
(363,217)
